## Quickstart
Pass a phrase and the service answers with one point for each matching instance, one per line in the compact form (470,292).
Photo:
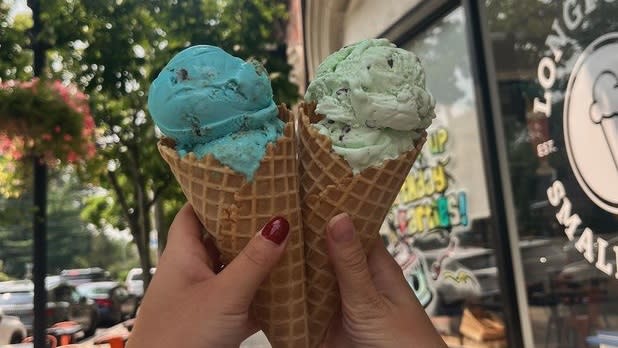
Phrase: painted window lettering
(586,241)
(419,229)
(573,12)
(590,125)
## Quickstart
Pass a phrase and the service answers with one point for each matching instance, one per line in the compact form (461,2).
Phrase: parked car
(12,330)
(84,275)
(135,281)
(63,303)
(114,302)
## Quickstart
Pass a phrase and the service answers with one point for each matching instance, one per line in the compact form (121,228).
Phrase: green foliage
(71,244)
(129,44)
(116,256)
(101,211)
(15,235)
(3,276)
(66,234)
(15,58)
(11,181)
(113,49)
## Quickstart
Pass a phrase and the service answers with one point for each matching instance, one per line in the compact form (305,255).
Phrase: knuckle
(372,309)
(376,304)
(354,261)
(256,255)
(372,304)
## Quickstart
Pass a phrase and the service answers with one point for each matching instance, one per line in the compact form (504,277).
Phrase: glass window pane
(438,229)
(557,68)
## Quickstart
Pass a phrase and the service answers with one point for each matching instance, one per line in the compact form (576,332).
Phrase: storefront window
(439,228)
(557,71)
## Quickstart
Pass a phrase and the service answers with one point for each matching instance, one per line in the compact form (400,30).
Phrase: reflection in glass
(570,295)
(438,229)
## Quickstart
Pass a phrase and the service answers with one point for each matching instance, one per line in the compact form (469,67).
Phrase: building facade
(507,226)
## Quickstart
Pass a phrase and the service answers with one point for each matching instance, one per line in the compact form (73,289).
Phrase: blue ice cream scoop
(211,102)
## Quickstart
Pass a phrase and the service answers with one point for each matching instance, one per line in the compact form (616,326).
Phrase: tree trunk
(136,218)
(145,225)
(141,213)
(143,249)
(160,226)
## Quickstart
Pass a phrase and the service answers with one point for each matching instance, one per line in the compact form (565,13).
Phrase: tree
(114,255)
(15,57)
(15,236)
(113,49)
(67,233)
(73,243)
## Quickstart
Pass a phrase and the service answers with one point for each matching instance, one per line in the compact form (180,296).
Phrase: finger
(247,271)
(387,275)
(350,263)
(185,239)
(214,256)
(186,229)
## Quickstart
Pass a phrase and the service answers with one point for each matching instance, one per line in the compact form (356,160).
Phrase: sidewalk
(258,340)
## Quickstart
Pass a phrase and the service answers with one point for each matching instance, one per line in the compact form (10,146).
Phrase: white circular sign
(591,121)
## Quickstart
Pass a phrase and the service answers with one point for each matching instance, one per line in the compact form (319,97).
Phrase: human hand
(188,304)
(378,307)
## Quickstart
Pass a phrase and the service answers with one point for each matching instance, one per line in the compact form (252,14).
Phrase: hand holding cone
(232,209)
(300,297)
(373,89)
(328,188)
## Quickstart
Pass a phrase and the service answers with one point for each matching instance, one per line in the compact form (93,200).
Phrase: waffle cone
(232,210)
(328,188)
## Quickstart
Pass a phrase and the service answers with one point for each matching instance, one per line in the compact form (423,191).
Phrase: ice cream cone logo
(604,109)
(591,121)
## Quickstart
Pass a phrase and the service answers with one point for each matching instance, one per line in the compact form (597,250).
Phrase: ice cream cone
(610,131)
(328,188)
(232,210)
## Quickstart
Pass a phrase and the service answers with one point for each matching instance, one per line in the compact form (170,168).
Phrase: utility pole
(40,199)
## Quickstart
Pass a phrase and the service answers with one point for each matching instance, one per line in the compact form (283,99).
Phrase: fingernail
(276,230)
(341,229)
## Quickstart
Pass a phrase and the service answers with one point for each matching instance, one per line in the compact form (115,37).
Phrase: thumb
(252,265)
(350,263)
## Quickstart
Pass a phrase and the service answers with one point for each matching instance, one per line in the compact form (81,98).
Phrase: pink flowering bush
(46,119)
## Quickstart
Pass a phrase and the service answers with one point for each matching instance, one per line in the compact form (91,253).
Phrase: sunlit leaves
(114,48)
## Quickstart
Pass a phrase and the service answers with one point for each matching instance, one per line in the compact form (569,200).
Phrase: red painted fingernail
(276,230)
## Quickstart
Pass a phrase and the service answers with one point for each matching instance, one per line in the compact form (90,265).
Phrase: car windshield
(14,298)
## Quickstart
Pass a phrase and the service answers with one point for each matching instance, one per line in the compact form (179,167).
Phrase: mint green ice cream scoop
(374,98)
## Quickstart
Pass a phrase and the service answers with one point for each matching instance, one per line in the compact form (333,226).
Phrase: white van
(135,281)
